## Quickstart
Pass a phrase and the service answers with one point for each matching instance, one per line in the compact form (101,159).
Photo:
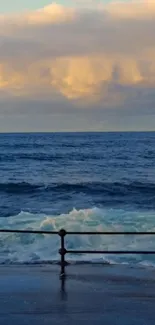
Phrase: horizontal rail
(109,233)
(27,231)
(105,233)
(108,252)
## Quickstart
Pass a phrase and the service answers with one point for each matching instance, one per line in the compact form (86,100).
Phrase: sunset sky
(77,65)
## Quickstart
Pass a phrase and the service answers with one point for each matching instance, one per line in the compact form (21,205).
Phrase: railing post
(62,251)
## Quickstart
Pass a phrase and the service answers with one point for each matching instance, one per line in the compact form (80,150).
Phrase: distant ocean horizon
(74,132)
(99,181)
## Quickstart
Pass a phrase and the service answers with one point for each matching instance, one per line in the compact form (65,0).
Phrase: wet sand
(90,294)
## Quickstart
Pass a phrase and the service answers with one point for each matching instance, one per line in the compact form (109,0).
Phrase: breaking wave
(32,248)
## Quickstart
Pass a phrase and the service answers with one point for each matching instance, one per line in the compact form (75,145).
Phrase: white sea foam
(31,248)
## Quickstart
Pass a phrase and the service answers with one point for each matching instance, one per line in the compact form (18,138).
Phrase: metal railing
(63,250)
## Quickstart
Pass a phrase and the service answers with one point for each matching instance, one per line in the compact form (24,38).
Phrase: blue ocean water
(79,181)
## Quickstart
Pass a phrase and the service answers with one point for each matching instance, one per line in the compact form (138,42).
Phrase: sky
(20,5)
(77,65)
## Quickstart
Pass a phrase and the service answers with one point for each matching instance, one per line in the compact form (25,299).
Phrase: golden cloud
(79,54)
(53,13)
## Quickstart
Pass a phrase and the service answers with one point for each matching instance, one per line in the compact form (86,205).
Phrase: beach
(90,294)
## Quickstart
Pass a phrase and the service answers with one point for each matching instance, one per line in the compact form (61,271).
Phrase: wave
(92,188)
(22,187)
(46,157)
(29,156)
(115,188)
(34,249)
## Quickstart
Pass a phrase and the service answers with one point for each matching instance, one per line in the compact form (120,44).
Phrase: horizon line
(58,132)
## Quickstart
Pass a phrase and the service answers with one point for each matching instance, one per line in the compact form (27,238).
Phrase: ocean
(77,181)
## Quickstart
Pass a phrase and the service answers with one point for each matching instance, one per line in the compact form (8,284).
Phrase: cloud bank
(99,58)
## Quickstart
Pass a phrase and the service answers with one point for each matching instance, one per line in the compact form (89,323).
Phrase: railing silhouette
(63,250)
